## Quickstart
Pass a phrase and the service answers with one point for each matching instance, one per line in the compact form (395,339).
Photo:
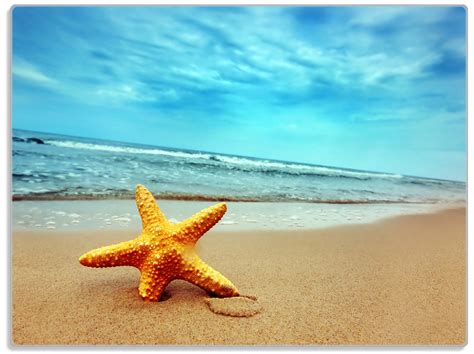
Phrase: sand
(396,281)
(236,306)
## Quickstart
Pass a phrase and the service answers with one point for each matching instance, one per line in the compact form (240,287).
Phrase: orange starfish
(165,251)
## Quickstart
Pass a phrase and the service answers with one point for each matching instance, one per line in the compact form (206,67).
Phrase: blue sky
(373,88)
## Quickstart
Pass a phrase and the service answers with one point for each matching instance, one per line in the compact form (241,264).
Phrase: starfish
(165,251)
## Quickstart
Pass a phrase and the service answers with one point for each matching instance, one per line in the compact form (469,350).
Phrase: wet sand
(396,281)
(113,215)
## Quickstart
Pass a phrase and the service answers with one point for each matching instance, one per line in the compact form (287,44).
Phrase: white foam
(233,160)
(124,149)
(117,218)
(299,168)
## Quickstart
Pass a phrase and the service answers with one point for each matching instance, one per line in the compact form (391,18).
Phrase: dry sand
(397,281)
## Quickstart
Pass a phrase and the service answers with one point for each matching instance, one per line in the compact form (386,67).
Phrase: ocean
(59,167)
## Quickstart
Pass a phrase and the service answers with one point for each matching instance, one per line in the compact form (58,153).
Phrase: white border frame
(5,178)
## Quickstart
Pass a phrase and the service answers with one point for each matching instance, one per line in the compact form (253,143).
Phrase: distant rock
(34,140)
(28,140)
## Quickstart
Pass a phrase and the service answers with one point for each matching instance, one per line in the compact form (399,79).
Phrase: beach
(393,280)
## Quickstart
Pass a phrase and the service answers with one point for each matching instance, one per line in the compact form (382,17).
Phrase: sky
(371,88)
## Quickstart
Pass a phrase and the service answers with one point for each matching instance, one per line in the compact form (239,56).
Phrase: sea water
(54,167)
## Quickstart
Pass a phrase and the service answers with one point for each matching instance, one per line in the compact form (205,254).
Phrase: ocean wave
(28,174)
(230,162)
(428,182)
(125,149)
(300,169)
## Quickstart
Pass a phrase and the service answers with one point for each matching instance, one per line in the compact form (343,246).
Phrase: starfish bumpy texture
(165,251)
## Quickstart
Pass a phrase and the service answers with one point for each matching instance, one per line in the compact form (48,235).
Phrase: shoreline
(398,281)
(53,196)
(123,214)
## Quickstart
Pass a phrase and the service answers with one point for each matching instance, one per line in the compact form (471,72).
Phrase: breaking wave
(256,165)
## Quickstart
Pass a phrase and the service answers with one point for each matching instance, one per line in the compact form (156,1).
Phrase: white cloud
(28,71)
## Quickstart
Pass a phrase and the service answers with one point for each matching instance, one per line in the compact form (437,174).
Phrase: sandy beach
(396,281)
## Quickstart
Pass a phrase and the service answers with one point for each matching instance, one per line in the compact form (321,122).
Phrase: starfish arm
(122,254)
(197,225)
(199,273)
(153,281)
(149,211)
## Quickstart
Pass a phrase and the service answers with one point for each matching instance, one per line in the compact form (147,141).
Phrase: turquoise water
(51,166)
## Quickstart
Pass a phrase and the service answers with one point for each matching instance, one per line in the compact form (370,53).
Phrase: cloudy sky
(373,88)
